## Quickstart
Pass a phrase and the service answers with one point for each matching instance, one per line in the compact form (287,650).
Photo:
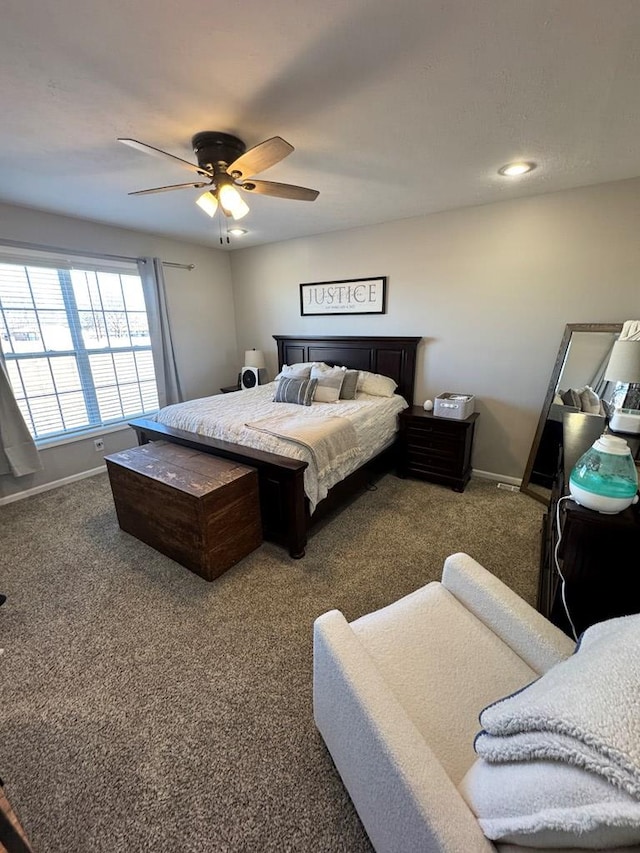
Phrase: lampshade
(254,358)
(231,201)
(624,364)
(208,202)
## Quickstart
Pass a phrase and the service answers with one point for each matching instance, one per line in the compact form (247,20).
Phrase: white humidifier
(605,477)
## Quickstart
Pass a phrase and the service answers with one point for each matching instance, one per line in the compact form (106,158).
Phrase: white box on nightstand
(458,406)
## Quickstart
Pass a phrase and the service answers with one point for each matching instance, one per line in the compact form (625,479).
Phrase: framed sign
(351,296)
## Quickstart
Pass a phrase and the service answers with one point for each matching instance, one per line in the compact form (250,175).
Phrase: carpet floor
(144,709)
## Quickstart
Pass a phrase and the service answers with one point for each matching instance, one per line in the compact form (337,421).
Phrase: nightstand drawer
(434,428)
(421,438)
(448,455)
(425,463)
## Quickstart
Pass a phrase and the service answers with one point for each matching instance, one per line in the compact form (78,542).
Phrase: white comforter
(225,416)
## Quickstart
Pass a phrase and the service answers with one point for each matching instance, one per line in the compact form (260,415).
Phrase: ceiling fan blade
(156,152)
(280,190)
(172,187)
(260,157)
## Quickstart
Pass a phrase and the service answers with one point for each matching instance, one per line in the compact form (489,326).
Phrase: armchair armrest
(538,642)
(403,796)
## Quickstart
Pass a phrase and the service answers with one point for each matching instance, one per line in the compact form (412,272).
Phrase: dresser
(598,554)
(436,449)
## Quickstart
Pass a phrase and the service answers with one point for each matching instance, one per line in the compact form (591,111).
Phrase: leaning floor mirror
(582,359)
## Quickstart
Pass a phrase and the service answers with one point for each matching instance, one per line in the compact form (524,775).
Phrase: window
(76,344)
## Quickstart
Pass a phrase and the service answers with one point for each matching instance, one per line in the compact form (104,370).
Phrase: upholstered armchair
(397,694)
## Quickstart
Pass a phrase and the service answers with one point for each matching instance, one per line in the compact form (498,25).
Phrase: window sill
(94,432)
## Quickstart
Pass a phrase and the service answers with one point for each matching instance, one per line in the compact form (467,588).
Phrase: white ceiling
(395,109)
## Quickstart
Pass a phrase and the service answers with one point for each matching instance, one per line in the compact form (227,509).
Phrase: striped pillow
(298,391)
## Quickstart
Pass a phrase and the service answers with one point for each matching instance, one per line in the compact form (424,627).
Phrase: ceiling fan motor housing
(213,148)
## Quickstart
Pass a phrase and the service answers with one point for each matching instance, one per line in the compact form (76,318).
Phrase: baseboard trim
(480,475)
(36,490)
(502,478)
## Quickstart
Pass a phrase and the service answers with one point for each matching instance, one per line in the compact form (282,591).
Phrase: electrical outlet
(98,444)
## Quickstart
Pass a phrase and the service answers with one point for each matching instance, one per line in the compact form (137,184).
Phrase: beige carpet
(144,709)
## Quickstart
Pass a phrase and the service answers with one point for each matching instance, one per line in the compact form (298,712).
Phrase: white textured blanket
(331,441)
(584,711)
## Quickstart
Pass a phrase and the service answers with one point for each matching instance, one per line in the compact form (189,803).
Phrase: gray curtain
(18,452)
(164,360)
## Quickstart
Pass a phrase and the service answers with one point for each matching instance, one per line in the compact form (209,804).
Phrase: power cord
(557,564)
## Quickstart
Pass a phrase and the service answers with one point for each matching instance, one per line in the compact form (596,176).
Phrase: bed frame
(283,503)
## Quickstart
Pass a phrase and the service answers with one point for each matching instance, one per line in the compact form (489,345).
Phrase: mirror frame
(569,329)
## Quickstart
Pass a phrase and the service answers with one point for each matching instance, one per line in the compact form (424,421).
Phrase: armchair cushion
(416,644)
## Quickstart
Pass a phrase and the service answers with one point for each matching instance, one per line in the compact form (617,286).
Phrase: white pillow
(376,384)
(550,804)
(589,401)
(301,370)
(330,381)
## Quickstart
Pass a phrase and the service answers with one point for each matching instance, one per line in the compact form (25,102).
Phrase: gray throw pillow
(299,391)
(349,384)
(572,398)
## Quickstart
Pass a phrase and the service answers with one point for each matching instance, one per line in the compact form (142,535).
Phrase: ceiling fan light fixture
(231,202)
(514,170)
(208,202)
(237,232)
(224,164)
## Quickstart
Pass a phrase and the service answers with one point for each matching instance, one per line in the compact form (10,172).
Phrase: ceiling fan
(224,167)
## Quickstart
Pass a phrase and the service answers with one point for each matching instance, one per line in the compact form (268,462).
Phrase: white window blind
(76,344)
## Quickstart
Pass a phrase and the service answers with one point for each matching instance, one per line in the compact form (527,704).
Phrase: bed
(283,472)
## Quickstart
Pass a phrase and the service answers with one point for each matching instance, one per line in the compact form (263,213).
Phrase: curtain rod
(17,244)
(178,266)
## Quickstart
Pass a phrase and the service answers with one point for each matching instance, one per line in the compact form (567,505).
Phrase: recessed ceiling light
(237,232)
(512,170)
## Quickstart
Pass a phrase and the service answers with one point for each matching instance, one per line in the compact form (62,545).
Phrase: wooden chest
(199,510)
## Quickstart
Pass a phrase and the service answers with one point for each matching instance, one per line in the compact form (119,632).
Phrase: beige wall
(201,310)
(489,288)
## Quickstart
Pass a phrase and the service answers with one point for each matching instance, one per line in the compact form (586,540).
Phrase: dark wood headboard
(394,357)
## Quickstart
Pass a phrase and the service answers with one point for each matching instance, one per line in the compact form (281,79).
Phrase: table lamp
(254,371)
(624,369)
(254,358)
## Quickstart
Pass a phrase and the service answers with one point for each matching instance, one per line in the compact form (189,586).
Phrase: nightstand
(436,449)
